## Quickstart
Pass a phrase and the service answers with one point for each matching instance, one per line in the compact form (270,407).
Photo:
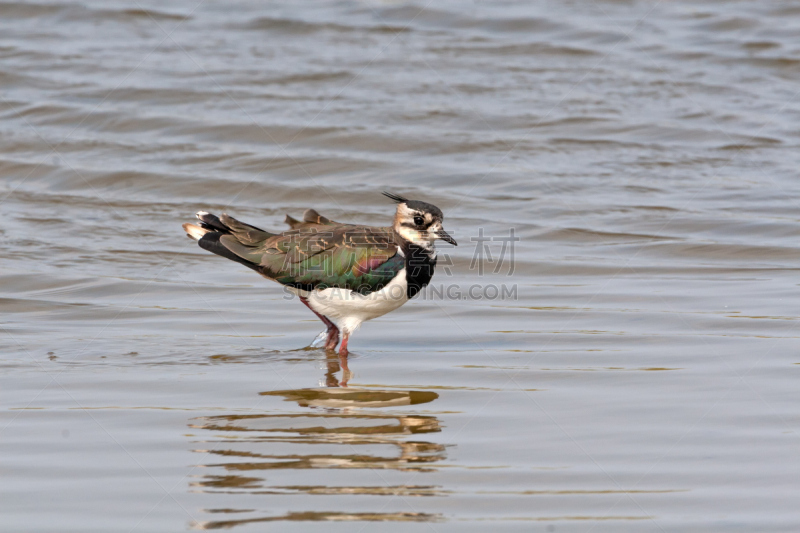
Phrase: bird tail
(195,232)
(228,237)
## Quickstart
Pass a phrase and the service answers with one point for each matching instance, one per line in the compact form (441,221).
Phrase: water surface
(640,378)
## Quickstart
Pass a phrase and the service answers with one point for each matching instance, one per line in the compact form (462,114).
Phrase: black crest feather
(396,197)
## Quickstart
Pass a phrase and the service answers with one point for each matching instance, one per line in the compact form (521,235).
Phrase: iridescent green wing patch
(319,253)
(357,258)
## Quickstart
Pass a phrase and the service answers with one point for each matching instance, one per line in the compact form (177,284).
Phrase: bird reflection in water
(335,364)
(292,455)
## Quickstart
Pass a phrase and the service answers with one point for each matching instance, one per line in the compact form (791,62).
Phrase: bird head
(419,222)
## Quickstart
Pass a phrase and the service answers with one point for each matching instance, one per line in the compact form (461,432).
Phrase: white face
(419,227)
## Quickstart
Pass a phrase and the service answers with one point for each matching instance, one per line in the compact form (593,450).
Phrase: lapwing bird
(345,273)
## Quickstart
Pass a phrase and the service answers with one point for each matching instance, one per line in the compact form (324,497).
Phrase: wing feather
(316,253)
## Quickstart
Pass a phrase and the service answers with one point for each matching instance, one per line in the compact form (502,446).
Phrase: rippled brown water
(643,379)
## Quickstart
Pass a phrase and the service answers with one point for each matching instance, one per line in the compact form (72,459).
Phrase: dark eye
(419,220)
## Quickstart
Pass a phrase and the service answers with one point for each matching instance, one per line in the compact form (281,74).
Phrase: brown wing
(315,253)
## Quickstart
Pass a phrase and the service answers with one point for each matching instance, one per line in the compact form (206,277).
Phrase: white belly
(348,309)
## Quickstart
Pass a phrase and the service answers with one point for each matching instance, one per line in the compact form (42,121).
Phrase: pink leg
(333,331)
(333,338)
